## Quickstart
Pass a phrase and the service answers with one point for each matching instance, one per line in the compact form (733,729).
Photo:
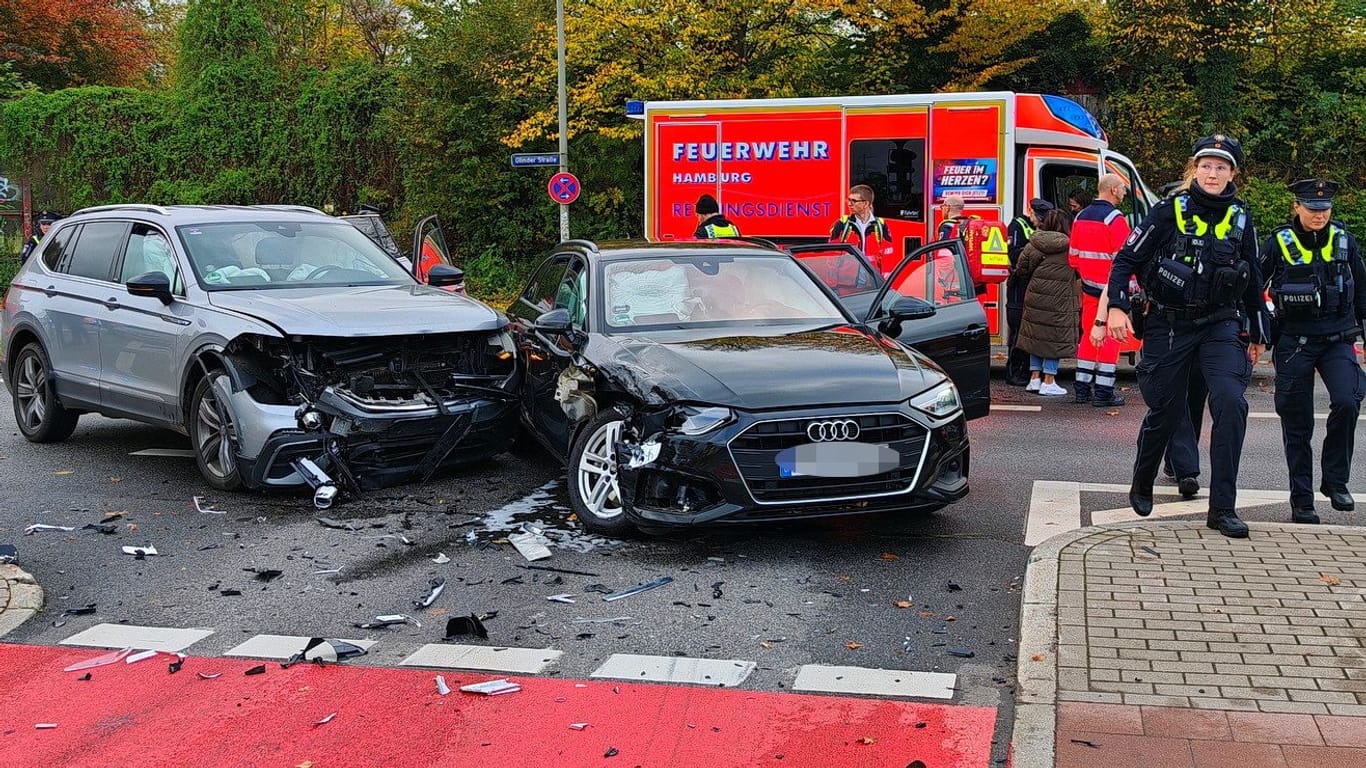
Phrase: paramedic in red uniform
(865,230)
(1098,233)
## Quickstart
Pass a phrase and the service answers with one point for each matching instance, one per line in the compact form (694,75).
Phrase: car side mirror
(556,322)
(154,284)
(443,275)
(911,308)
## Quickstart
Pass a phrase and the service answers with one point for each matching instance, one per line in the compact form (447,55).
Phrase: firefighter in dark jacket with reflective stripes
(1318,283)
(710,223)
(1196,257)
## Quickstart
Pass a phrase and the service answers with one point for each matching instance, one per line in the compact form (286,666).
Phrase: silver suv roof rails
(125,207)
(299,208)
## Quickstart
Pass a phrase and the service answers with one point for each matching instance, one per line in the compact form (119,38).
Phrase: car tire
(213,433)
(39,413)
(593,491)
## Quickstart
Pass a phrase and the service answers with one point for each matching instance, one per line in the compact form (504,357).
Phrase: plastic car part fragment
(324,487)
(8,554)
(459,626)
(492,687)
(113,657)
(32,529)
(321,649)
(574,392)
(642,454)
(530,545)
(389,620)
(637,589)
(438,585)
(441,686)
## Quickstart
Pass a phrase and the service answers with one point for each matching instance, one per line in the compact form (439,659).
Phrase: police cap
(706,205)
(1221,146)
(1315,194)
(1041,206)
(46,217)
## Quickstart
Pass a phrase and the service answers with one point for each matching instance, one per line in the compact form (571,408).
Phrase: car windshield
(709,291)
(277,254)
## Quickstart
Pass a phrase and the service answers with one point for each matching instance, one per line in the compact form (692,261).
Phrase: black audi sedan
(694,383)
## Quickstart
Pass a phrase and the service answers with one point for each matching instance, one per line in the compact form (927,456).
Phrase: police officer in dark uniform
(42,224)
(1196,257)
(1318,282)
(1017,360)
(710,223)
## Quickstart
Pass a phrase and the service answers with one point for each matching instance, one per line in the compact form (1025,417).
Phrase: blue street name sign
(535,159)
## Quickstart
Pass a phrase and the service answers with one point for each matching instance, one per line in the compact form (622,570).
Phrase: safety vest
(1202,274)
(875,244)
(1098,233)
(1026,226)
(1287,239)
(1194,228)
(725,230)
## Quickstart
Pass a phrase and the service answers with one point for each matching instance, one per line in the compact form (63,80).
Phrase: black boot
(1141,501)
(1304,515)
(1226,522)
(1339,496)
(1188,487)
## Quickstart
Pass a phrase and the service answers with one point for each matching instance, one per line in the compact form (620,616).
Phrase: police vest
(1205,271)
(1025,226)
(724,230)
(1313,285)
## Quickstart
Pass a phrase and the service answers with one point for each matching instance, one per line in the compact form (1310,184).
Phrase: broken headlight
(696,420)
(939,401)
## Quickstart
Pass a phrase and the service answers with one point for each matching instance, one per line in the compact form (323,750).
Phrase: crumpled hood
(809,368)
(360,312)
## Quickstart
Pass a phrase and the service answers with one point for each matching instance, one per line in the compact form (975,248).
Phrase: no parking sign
(563,188)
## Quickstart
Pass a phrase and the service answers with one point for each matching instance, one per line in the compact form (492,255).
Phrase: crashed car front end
(368,412)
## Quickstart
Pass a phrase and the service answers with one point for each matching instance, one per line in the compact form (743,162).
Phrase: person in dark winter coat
(1049,330)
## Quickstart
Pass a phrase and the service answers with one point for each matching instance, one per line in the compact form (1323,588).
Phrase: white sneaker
(1033,385)
(1052,390)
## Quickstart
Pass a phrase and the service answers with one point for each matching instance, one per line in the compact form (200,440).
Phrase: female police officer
(1196,256)
(1318,282)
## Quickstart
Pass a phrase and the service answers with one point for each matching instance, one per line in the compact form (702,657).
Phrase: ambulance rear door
(673,182)
(885,149)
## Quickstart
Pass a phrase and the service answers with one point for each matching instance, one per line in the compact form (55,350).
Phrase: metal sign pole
(564,133)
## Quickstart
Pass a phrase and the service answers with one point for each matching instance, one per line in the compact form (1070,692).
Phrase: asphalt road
(784,596)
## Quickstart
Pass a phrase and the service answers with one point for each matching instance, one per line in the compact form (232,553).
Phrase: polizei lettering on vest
(707,151)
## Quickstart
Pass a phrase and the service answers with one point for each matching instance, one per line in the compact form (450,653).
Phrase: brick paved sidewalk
(1166,644)
(20,598)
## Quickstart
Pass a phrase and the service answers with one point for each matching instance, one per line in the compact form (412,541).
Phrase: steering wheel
(320,271)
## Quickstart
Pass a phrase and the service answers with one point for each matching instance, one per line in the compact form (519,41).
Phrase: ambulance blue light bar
(1073,114)
(635,108)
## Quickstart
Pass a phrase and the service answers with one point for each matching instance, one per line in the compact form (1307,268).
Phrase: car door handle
(973,332)
(50,291)
(111,303)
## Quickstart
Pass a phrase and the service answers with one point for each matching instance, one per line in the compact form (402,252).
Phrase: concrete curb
(1033,738)
(25,598)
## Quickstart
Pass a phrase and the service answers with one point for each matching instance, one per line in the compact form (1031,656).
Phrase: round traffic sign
(563,188)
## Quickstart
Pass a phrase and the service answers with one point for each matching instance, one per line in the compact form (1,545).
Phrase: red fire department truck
(780,168)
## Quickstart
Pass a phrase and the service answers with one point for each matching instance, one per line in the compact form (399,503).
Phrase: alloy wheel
(597,470)
(30,387)
(214,433)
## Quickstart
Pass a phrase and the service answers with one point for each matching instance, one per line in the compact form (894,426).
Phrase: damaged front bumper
(735,473)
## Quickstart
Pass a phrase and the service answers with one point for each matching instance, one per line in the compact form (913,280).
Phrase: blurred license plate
(843,459)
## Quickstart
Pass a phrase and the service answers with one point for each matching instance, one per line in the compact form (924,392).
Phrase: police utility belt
(1204,280)
(1312,285)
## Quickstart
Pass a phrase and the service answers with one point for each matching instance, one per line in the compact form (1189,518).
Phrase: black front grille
(755,453)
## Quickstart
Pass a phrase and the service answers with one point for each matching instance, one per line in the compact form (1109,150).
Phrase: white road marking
(1055,506)
(726,673)
(526,661)
(1009,407)
(178,453)
(167,639)
(875,682)
(281,646)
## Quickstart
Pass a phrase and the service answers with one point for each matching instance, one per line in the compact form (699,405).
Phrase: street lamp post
(564,133)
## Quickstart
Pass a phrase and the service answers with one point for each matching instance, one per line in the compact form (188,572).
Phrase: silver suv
(287,345)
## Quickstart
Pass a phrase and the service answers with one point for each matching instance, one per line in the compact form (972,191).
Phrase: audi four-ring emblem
(829,431)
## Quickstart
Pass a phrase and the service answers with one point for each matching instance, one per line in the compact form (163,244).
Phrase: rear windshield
(274,254)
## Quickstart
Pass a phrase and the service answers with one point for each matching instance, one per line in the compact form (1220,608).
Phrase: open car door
(956,336)
(429,250)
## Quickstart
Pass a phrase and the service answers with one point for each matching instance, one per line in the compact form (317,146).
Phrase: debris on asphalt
(199,507)
(960,652)
(32,529)
(175,666)
(460,626)
(210,675)
(344,525)
(531,546)
(716,590)
(954,587)
(1085,743)
(853,646)
(8,553)
(388,620)
(612,620)
(265,574)
(259,669)
(564,598)
(85,677)
(139,656)
(903,603)
(441,686)
(84,610)
(557,570)
(230,592)
(113,657)
(578,726)
(637,589)
(208,547)
(492,687)
(321,649)
(140,552)
(441,558)
(611,752)
(44,726)
(438,585)
(104,528)
(325,720)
